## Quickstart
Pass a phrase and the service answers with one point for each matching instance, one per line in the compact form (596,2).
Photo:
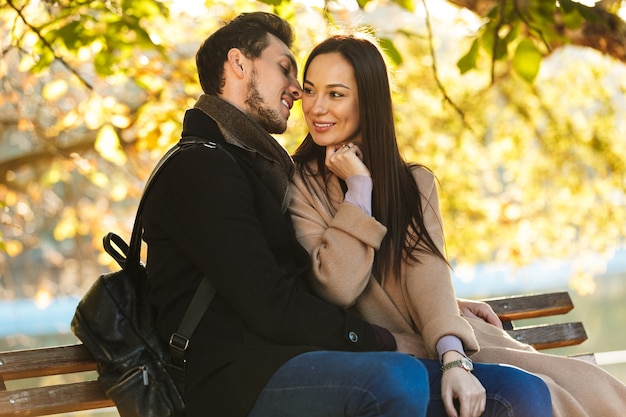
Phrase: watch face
(467,364)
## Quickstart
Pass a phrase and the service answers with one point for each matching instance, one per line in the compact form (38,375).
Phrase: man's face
(273,87)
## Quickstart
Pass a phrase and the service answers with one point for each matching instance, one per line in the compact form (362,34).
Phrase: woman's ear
(236,61)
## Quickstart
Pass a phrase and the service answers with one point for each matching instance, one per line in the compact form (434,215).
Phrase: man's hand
(480,310)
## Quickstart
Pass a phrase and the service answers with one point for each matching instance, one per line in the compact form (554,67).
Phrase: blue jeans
(511,392)
(386,384)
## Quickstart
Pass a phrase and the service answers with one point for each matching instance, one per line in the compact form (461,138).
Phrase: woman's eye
(335,94)
(307,90)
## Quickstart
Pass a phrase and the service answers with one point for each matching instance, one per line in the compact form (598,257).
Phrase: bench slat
(530,306)
(43,401)
(550,336)
(42,362)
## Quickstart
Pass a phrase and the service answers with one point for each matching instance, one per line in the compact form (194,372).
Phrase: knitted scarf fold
(271,161)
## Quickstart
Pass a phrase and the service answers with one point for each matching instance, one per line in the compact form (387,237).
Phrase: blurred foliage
(527,141)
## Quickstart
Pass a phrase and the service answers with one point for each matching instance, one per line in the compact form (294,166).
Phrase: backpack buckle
(179,342)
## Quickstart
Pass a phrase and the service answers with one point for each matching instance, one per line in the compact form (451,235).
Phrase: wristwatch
(464,363)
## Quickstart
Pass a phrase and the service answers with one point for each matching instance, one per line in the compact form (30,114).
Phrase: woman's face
(330,102)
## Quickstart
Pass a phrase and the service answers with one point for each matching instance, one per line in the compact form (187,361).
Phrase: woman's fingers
(466,389)
(345,160)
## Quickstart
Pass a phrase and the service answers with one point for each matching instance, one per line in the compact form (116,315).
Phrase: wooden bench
(87,394)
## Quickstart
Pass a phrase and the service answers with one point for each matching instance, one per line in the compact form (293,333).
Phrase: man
(266,346)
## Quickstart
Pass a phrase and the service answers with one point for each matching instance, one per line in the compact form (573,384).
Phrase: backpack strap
(179,340)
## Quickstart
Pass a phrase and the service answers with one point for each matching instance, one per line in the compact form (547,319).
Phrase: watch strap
(464,363)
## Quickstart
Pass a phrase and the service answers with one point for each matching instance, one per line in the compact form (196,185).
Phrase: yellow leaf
(53,175)
(13,247)
(54,90)
(108,145)
(94,113)
(70,119)
(99,179)
(27,62)
(119,192)
(120,121)
(67,227)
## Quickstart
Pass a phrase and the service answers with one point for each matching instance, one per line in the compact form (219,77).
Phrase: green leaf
(488,40)
(145,8)
(572,19)
(406,4)
(567,5)
(390,50)
(468,61)
(272,2)
(44,60)
(527,60)
(543,11)
(103,62)
(286,10)
(71,35)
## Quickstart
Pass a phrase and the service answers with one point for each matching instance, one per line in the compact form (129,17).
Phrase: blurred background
(519,109)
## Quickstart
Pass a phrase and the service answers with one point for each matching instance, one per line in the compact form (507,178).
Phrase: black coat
(208,214)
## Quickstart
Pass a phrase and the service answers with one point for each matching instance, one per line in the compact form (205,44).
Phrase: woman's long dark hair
(396,199)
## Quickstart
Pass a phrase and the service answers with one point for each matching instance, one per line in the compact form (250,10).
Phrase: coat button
(353,337)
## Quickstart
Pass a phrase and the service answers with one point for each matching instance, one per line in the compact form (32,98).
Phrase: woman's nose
(319,106)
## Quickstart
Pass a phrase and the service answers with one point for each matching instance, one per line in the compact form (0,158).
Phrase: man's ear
(236,61)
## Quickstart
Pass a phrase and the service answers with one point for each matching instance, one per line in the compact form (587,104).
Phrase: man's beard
(270,119)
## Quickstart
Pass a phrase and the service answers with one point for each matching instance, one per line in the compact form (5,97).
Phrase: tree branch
(49,46)
(435,70)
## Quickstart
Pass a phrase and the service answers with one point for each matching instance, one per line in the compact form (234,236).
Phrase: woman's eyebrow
(333,85)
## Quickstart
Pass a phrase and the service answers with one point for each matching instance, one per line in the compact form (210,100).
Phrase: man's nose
(296,90)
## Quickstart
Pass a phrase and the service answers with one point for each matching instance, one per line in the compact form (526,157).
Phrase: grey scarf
(271,161)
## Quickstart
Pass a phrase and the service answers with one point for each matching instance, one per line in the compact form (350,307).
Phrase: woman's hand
(345,160)
(480,310)
(459,384)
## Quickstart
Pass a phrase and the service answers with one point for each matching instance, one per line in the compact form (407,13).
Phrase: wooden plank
(57,399)
(46,361)
(530,306)
(550,335)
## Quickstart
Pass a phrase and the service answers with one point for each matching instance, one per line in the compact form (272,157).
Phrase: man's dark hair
(247,32)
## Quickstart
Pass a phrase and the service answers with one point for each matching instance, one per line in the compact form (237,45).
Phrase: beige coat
(342,240)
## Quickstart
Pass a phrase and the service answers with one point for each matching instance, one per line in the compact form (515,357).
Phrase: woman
(372,225)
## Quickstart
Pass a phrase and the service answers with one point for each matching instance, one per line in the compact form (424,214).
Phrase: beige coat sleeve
(341,243)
